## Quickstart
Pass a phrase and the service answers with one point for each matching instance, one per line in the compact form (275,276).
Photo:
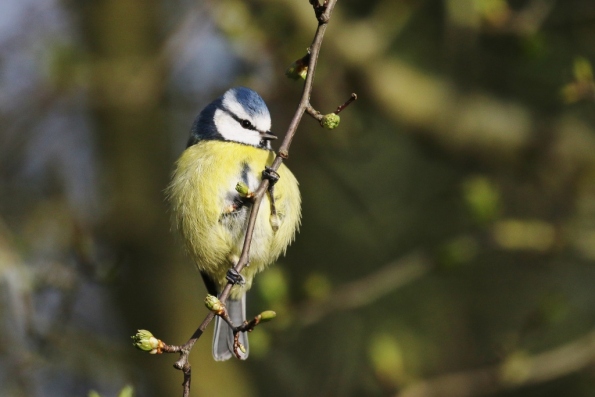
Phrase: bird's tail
(223,337)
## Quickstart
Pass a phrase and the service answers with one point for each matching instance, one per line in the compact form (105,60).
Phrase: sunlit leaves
(482,198)
(582,87)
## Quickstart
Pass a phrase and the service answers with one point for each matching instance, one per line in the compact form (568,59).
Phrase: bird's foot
(270,174)
(234,277)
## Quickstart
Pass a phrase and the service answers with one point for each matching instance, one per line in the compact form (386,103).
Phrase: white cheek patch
(262,122)
(231,130)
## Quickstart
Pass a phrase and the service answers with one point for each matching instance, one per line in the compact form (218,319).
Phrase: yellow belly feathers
(202,195)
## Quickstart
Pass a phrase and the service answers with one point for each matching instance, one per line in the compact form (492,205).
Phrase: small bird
(230,144)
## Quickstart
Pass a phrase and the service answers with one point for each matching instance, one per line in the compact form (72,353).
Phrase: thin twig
(352,98)
(319,116)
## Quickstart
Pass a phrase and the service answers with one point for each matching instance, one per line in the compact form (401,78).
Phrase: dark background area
(447,246)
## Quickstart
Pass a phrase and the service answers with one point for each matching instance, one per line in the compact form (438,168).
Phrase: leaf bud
(214,304)
(330,121)
(145,341)
(243,189)
(267,315)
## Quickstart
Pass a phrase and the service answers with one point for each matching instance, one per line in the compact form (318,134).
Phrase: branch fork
(329,121)
(320,10)
(219,309)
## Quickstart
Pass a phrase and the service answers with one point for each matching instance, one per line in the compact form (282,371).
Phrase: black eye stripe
(243,122)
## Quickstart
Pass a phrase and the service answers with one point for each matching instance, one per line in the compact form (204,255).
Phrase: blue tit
(230,143)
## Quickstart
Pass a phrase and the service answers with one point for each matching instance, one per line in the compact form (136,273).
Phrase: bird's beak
(267,136)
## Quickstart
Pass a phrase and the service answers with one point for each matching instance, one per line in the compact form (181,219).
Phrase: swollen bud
(267,315)
(299,69)
(243,189)
(330,121)
(214,304)
(145,341)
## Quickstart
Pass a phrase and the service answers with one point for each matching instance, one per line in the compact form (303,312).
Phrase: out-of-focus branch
(366,290)
(517,371)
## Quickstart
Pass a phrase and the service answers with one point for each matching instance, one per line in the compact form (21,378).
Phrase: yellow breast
(202,195)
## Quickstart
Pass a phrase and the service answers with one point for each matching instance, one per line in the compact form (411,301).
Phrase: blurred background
(448,239)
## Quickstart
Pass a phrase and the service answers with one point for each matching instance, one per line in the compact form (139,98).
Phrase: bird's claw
(270,174)
(234,277)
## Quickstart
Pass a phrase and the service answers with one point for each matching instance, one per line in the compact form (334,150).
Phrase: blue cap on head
(252,103)
(241,104)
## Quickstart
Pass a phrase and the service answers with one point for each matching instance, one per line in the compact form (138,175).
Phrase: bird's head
(240,115)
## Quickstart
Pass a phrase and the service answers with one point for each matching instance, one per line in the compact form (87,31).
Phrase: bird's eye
(247,125)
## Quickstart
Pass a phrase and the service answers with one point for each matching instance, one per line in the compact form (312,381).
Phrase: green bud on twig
(267,315)
(145,341)
(299,69)
(243,189)
(330,121)
(214,304)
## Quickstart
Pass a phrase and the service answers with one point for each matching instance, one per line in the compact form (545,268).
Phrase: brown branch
(342,107)
(319,116)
